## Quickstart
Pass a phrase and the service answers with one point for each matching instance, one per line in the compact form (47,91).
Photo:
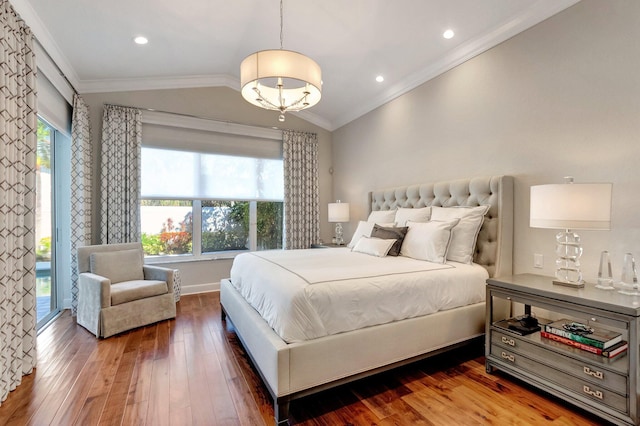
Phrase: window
(202,204)
(209,188)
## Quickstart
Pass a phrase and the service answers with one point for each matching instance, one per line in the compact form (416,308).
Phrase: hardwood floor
(193,371)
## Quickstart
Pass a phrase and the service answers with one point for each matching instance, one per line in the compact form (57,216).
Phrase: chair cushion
(118,266)
(128,291)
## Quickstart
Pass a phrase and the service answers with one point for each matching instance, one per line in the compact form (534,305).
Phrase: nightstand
(607,387)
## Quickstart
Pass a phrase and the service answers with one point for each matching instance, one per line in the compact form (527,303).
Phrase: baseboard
(200,288)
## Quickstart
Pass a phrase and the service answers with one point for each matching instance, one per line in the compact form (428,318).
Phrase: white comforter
(306,294)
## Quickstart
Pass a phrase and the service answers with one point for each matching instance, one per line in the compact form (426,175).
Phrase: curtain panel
(18,141)
(120,175)
(80,189)
(301,198)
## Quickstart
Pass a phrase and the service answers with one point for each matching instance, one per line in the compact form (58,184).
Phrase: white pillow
(403,215)
(373,246)
(428,240)
(364,230)
(384,216)
(465,234)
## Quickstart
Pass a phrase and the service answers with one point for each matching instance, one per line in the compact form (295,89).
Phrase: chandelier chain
(281,20)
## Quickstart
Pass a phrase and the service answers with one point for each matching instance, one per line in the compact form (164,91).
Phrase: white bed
(330,346)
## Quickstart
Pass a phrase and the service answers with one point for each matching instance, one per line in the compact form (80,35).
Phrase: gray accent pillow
(118,266)
(390,233)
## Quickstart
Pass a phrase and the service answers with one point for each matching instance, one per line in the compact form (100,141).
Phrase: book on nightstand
(601,339)
(611,352)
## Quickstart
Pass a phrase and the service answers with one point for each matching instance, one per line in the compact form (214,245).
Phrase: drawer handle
(508,341)
(588,391)
(595,373)
(508,357)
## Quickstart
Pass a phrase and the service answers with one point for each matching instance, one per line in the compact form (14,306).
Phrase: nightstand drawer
(566,381)
(591,372)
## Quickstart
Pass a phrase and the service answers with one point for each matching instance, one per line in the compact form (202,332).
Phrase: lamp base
(339,234)
(568,284)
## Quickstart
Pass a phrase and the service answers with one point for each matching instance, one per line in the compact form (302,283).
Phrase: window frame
(196,234)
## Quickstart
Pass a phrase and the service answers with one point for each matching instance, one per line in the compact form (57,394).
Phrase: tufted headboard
(495,241)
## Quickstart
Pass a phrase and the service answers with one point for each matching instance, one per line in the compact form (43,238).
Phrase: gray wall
(562,98)
(218,103)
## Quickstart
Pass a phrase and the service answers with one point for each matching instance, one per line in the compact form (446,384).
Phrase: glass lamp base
(339,235)
(579,284)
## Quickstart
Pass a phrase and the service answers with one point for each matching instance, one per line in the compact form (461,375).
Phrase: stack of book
(600,342)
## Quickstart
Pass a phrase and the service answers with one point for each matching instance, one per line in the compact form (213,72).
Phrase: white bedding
(306,294)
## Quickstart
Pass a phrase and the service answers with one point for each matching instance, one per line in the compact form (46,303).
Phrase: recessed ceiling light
(448,34)
(141,40)
(379,79)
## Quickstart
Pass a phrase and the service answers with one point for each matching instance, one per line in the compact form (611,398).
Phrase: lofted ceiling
(196,43)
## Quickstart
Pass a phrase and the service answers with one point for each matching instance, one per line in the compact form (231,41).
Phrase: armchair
(117,292)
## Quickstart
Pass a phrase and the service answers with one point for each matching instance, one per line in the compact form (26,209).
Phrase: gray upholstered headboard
(494,249)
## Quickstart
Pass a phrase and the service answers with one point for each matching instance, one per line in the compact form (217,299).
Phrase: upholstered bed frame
(297,369)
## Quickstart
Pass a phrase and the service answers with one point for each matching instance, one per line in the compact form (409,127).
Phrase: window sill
(223,255)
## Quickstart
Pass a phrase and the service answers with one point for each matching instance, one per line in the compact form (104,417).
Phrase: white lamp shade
(338,212)
(571,206)
(300,75)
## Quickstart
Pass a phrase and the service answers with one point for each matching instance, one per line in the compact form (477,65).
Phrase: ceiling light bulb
(448,34)
(379,79)
(141,40)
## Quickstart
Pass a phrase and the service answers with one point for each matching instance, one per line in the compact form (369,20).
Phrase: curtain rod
(199,117)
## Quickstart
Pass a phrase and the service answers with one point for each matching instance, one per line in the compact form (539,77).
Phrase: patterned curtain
(80,189)
(18,139)
(301,199)
(120,175)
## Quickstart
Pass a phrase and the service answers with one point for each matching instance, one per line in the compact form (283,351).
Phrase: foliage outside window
(167,227)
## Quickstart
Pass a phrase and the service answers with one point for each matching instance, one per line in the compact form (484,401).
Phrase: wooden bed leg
(281,411)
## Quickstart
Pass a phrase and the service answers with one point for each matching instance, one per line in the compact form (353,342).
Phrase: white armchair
(117,292)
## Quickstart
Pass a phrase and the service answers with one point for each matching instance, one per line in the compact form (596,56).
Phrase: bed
(295,361)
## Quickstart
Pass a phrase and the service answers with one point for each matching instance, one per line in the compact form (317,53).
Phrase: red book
(609,353)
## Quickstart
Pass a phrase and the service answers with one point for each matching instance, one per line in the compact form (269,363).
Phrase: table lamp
(570,206)
(339,212)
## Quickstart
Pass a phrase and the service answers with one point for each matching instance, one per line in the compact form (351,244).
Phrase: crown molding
(156,83)
(537,13)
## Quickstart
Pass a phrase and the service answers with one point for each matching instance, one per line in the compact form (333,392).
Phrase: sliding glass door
(46,295)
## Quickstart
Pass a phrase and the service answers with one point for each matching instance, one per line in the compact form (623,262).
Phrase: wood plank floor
(193,371)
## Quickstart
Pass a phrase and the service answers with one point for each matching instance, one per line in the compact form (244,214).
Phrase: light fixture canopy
(280,80)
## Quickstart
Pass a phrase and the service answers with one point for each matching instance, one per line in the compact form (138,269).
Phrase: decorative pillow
(382,216)
(403,215)
(373,246)
(465,234)
(428,240)
(364,230)
(118,266)
(388,233)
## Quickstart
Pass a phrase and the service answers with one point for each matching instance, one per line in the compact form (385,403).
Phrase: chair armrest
(98,287)
(159,273)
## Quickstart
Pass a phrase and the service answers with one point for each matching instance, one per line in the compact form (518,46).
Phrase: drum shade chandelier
(280,80)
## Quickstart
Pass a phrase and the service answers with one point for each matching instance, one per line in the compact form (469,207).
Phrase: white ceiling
(195,43)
